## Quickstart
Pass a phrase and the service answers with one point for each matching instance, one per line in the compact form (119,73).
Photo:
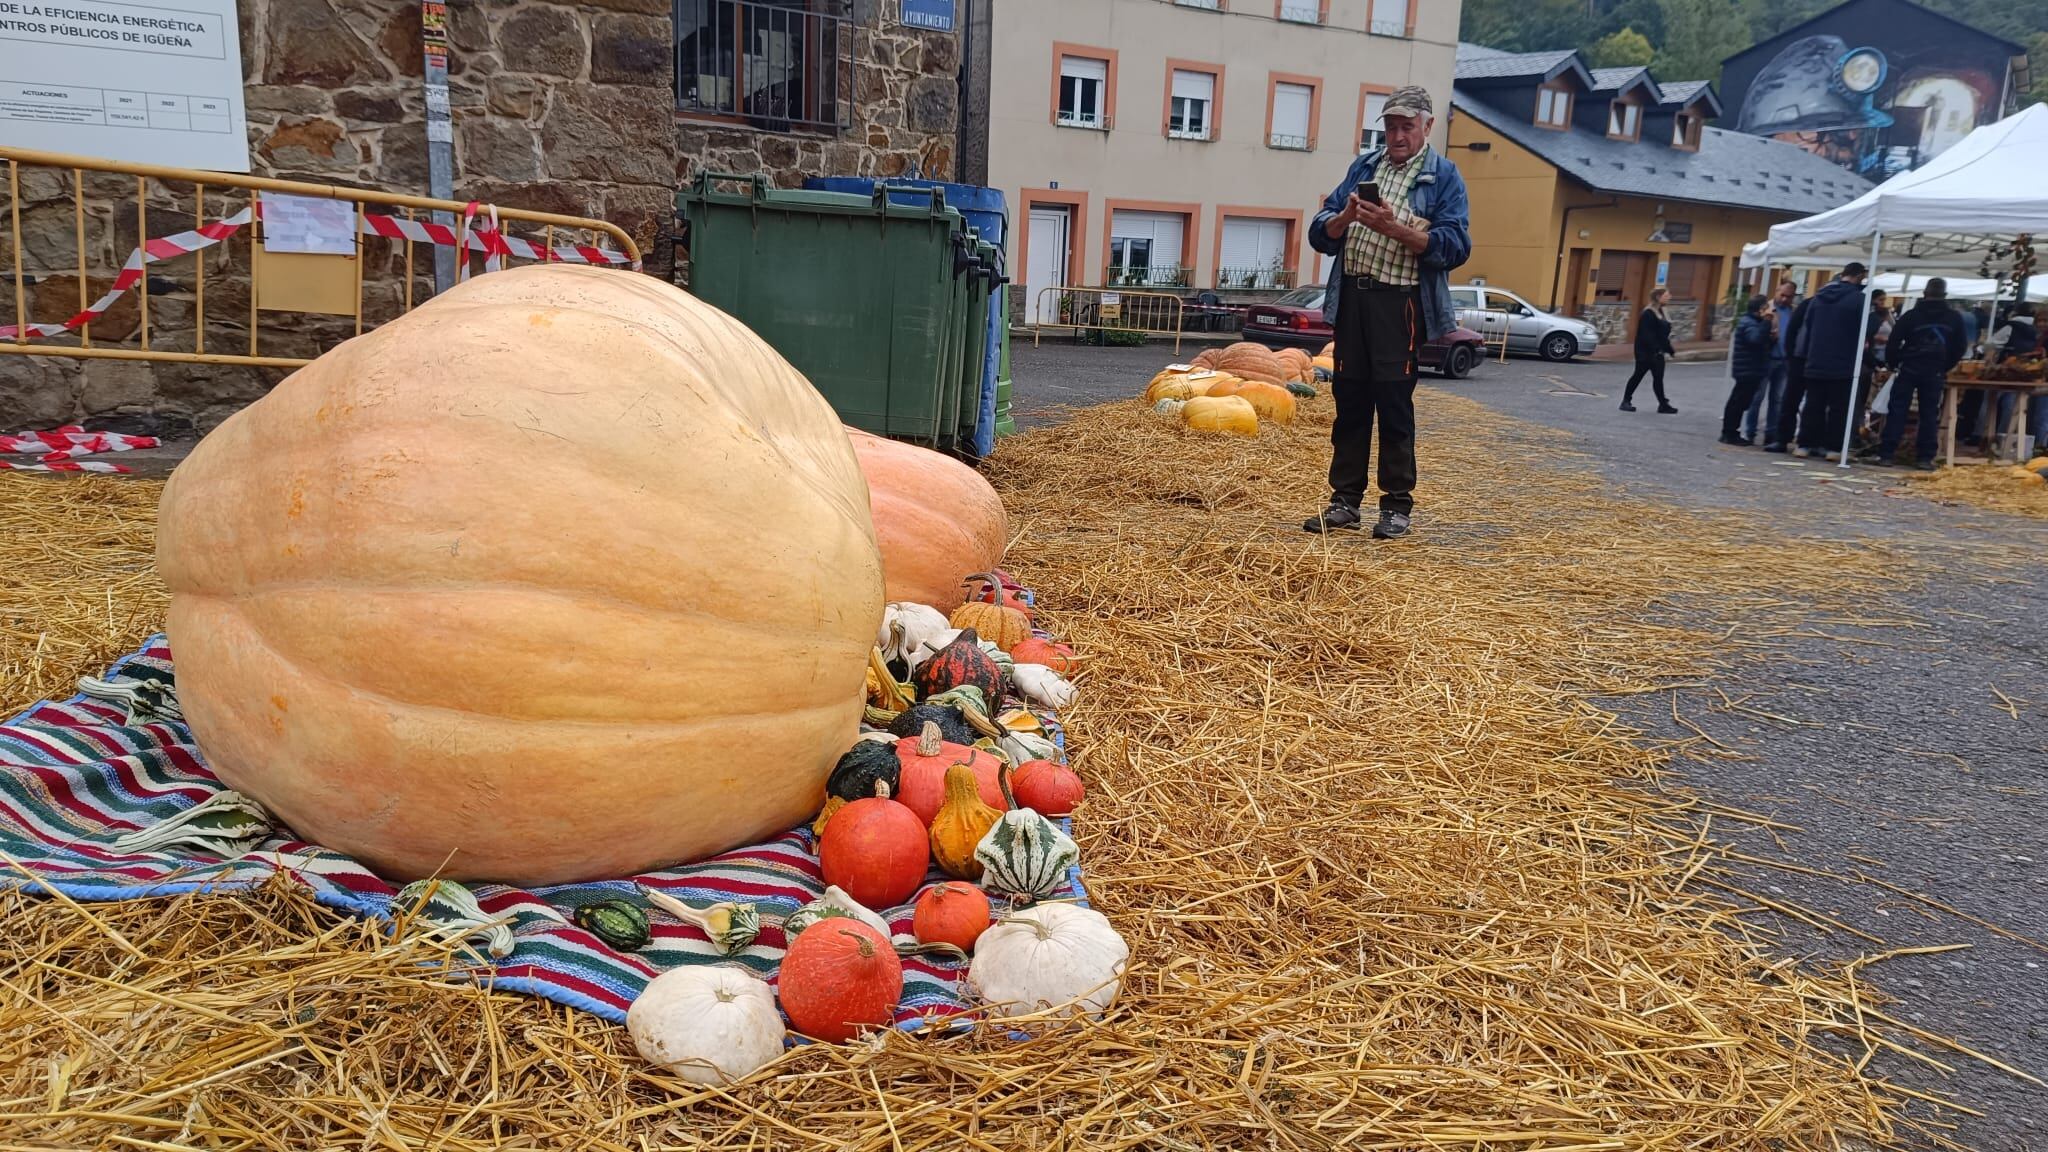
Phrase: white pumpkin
(706,1023)
(1049,956)
(907,626)
(1042,686)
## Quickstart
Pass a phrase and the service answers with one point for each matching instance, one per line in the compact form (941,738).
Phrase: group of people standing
(1795,364)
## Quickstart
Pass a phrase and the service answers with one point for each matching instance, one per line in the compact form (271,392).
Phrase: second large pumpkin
(936,520)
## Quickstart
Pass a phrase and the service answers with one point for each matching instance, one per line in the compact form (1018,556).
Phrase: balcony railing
(776,65)
(1210,5)
(1178,132)
(1291,143)
(1249,278)
(1150,276)
(1390,27)
(1097,121)
(1311,13)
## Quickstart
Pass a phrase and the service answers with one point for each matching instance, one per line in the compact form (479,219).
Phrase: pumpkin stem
(881,789)
(867,944)
(1003,782)
(930,740)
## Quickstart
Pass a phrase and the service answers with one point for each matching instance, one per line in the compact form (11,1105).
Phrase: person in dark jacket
(1760,423)
(1787,420)
(1832,334)
(1924,345)
(1653,344)
(1750,364)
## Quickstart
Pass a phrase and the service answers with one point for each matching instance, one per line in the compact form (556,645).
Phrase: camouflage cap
(1410,101)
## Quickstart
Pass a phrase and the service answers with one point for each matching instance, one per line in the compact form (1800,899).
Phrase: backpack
(1926,342)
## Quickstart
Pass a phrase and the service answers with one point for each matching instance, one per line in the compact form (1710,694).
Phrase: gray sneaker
(1335,518)
(1392,526)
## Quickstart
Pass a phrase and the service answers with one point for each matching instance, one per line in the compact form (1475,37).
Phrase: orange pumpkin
(1207,358)
(431,591)
(951,913)
(839,979)
(937,521)
(921,785)
(1270,401)
(876,850)
(1000,625)
(1037,650)
(1047,788)
(1230,386)
(1253,362)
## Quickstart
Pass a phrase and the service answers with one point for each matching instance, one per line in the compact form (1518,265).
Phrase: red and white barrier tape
(494,244)
(57,449)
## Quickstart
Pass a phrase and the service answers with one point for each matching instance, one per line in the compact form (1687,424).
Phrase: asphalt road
(1897,760)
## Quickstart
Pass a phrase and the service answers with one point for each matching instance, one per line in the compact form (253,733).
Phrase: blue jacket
(1752,359)
(1833,331)
(1439,198)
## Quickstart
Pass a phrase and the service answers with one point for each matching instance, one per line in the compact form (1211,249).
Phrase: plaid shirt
(1369,253)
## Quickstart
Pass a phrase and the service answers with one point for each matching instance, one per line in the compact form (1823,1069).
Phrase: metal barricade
(1492,327)
(222,215)
(1111,310)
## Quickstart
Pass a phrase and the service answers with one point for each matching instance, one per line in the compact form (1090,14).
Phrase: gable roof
(1621,81)
(1731,169)
(1479,65)
(1799,29)
(1679,93)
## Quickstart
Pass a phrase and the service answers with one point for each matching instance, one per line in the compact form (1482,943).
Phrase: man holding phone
(1396,227)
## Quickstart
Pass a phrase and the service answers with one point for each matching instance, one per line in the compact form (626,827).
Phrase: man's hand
(1388,221)
(1342,221)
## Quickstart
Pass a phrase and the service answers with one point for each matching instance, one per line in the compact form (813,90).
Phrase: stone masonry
(565,108)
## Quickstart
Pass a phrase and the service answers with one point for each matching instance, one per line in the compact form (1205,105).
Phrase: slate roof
(1610,79)
(1681,91)
(1731,169)
(1485,65)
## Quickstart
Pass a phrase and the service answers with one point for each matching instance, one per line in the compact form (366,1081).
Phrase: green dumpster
(865,295)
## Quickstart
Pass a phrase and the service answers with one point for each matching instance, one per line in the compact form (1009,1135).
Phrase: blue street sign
(934,14)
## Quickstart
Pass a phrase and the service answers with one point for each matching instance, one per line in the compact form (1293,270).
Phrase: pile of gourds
(1231,390)
(2032,474)
(944,776)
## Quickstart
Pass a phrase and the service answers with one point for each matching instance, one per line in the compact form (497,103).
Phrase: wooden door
(1695,280)
(1579,269)
(1625,278)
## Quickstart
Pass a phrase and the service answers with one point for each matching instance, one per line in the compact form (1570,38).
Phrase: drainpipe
(1563,231)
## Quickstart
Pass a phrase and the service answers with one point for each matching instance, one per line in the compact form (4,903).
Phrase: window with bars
(1190,111)
(779,64)
(1293,111)
(1084,85)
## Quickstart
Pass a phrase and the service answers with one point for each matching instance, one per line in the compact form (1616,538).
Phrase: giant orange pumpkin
(936,520)
(564,575)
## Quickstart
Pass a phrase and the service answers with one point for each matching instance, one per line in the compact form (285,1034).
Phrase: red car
(1296,321)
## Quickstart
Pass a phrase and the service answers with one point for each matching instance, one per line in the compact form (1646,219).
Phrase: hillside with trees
(1688,39)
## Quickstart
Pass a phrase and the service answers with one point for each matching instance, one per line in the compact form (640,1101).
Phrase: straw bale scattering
(1390,875)
(2020,489)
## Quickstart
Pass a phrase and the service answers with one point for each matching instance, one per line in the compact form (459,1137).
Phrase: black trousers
(1930,388)
(1738,406)
(1827,412)
(1788,408)
(1654,369)
(1379,335)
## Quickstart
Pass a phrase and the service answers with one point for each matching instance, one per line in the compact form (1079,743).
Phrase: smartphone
(1368,191)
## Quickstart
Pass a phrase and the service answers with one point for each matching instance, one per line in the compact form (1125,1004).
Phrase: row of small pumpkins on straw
(941,776)
(1230,390)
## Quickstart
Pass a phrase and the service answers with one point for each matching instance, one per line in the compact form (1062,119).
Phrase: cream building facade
(1185,144)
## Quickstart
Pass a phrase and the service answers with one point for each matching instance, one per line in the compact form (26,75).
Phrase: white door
(1047,264)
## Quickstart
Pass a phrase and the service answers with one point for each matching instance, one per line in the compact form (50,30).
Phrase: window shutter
(1194,85)
(1082,68)
(1291,103)
(1613,275)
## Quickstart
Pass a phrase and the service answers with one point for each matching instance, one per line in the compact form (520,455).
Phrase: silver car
(1530,331)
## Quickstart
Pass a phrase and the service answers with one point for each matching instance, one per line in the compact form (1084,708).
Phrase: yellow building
(1591,187)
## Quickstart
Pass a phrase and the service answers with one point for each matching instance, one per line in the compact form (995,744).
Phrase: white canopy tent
(1912,285)
(1938,218)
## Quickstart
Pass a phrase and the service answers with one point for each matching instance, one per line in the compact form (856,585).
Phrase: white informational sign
(308,224)
(149,83)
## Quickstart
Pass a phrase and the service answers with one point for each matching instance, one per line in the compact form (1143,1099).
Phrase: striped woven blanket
(80,776)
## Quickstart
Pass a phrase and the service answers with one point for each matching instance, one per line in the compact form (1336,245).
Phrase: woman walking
(1653,344)
(1749,365)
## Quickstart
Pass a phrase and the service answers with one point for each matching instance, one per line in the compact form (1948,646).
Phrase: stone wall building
(571,108)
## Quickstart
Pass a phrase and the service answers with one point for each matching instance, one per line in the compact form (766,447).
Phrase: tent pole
(1862,345)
